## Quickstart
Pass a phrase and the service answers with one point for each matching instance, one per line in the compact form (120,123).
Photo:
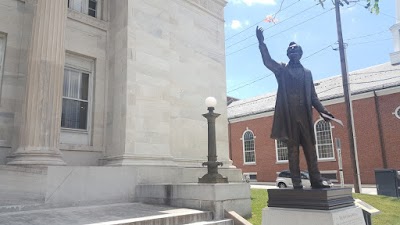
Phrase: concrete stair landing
(115,214)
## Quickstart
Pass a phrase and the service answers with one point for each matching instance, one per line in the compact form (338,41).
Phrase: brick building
(376,110)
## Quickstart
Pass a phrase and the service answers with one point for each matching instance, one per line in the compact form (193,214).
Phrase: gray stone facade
(151,64)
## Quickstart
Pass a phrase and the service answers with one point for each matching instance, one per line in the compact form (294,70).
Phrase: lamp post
(212,175)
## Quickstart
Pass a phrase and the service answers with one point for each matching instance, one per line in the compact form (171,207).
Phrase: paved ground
(365,189)
(90,214)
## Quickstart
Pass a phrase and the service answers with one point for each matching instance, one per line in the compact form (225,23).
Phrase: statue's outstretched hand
(327,116)
(260,35)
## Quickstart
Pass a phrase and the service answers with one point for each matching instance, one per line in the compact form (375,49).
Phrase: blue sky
(368,37)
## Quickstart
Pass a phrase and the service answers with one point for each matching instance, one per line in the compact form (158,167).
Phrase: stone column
(41,115)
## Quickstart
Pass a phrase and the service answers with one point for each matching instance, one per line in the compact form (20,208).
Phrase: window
(84,6)
(2,53)
(75,100)
(250,176)
(330,174)
(281,151)
(248,147)
(323,134)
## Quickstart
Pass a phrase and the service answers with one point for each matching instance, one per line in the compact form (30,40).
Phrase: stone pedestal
(350,215)
(210,197)
(312,207)
(41,118)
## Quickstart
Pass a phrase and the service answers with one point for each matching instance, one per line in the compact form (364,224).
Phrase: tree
(371,5)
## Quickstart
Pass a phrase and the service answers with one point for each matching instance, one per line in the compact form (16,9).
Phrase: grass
(389,207)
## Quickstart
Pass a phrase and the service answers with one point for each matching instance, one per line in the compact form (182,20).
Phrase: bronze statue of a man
(293,123)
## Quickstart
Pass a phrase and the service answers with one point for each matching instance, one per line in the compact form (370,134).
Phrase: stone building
(89,84)
(376,111)
(110,82)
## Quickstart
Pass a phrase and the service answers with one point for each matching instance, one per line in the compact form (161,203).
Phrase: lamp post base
(213,178)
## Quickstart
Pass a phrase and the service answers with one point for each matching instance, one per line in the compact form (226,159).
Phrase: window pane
(73,89)
(66,83)
(92,13)
(92,4)
(324,140)
(248,135)
(76,5)
(253,176)
(282,154)
(282,150)
(84,86)
(74,114)
(92,8)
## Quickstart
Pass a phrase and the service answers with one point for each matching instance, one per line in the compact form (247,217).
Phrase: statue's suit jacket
(281,128)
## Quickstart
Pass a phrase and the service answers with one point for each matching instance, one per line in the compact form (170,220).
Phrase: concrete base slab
(22,188)
(219,222)
(211,197)
(288,216)
(127,213)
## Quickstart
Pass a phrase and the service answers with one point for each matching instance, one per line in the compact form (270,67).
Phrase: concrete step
(22,206)
(219,222)
(115,214)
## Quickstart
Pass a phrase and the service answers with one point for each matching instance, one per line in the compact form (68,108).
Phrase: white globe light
(211,102)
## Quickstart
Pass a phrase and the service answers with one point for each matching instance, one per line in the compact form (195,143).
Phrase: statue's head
(294,51)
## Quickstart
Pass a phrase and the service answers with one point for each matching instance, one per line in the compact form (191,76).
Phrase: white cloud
(236,24)
(246,22)
(253,2)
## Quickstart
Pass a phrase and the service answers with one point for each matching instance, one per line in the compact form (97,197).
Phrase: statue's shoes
(319,185)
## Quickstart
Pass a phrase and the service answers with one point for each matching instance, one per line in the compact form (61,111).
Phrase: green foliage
(389,207)
(372,5)
(259,199)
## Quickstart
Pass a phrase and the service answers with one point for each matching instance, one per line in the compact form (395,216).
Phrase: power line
(282,31)
(263,77)
(322,49)
(251,36)
(316,52)
(252,82)
(361,43)
(259,22)
(270,96)
(385,14)
(368,35)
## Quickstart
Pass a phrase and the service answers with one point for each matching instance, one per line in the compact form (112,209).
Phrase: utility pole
(349,114)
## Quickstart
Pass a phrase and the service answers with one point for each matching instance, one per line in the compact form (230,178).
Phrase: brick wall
(367,139)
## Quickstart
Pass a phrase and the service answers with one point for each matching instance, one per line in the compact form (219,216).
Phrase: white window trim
(396,112)
(243,149)
(276,154)
(85,8)
(330,171)
(316,144)
(3,38)
(250,173)
(90,96)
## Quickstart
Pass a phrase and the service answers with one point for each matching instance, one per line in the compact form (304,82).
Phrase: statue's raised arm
(268,61)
